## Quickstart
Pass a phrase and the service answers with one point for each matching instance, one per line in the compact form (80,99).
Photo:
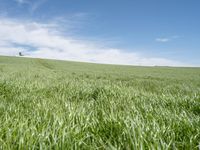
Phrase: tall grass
(47,104)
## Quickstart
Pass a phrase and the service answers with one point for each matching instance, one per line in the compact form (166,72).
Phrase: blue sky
(135,32)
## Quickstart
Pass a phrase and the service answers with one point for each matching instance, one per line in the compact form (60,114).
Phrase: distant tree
(20,54)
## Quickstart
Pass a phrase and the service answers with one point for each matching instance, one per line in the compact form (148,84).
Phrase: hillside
(52,104)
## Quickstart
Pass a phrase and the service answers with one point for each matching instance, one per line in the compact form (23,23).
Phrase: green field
(49,104)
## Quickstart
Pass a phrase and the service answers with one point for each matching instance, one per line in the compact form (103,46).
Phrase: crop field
(50,104)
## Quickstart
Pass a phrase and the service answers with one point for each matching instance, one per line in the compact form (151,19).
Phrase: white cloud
(37,4)
(162,39)
(21,2)
(32,4)
(45,41)
(176,37)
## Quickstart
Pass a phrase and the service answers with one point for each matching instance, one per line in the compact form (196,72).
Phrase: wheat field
(50,104)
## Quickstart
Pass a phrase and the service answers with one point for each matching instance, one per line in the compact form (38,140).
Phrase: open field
(48,104)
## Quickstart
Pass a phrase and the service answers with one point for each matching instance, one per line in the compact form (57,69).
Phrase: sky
(128,32)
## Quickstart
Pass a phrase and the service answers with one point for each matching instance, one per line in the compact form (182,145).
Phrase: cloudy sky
(133,32)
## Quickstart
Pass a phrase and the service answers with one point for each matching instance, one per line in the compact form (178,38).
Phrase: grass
(48,104)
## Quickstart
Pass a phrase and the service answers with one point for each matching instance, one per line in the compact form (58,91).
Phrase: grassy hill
(49,104)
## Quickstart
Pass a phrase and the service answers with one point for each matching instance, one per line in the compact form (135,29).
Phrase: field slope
(48,104)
